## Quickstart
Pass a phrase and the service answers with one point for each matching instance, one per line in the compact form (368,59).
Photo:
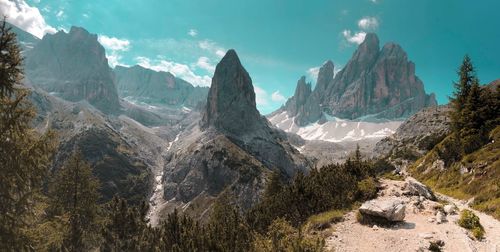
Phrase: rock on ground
(417,188)
(391,209)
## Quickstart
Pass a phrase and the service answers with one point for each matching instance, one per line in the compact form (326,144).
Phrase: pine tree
(10,62)
(228,230)
(74,192)
(25,154)
(467,77)
(126,228)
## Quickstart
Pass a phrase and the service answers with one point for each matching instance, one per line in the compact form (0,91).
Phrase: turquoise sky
(280,40)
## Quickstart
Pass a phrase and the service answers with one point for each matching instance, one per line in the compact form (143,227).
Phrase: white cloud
(114,47)
(193,33)
(212,47)
(313,72)
(179,70)
(276,96)
(26,17)
(356,38)
(368,23)
(261,96)
(114,59)
(204,63)
(113,43)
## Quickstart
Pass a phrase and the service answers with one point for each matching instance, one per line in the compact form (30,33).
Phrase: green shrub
(393,176)
(282,236)
(434,247)
(323,220)
(367,189)
(470,221)
(478,233)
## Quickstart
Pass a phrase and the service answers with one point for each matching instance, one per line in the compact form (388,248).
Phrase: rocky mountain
(377,82)
(415,137)
(121,153)
(27,40)
(145,85)
(73,66)
(232,149)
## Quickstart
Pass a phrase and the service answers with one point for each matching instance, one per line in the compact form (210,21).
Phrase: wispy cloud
(313,72)
(113,43)
(193,32)
(355,38)
(179,70)
(205,64)
(114,48)
(261,96)
(276,96)
(368,23)
(365,24)
(212,47)
(26,17)
(60,15)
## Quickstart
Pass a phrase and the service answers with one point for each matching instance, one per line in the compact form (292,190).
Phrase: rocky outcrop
(416,188)
(415,137)
(232,149)
(296,104)
(74,67)
(157,87)
(118,160)
(391,209)
(378,82)
(231,104)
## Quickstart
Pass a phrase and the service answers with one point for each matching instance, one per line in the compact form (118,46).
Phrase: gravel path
(415,233)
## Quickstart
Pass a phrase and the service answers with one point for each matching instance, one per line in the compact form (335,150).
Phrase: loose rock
(391,209)
(450,209)
(417,188)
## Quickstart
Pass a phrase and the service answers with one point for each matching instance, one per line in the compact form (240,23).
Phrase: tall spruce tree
(25,154)
(467,77)
(74,193)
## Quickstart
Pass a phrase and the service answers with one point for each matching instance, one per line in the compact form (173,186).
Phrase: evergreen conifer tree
(25,154)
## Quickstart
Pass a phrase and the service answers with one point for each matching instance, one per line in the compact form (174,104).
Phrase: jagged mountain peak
(377,82)
(231,106)
(73,66)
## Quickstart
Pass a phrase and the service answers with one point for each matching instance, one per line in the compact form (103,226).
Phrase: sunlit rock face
(74,67)
(377,82)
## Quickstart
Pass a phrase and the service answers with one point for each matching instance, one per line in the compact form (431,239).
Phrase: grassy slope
(482,180)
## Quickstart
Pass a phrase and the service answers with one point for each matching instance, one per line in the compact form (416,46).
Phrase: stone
(450,209)
(417,188)
(426,236)
(440,217)
(375,227)
(391,209)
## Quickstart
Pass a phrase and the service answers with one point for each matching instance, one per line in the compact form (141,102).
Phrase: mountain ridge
(374,81)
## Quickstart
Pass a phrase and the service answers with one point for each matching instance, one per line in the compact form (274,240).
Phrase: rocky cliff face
(73,66)
(25,39)
(380,82)
(415,137)
(231,100)
(155,87)
(232,149)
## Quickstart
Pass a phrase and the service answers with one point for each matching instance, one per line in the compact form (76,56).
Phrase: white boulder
(391,209)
